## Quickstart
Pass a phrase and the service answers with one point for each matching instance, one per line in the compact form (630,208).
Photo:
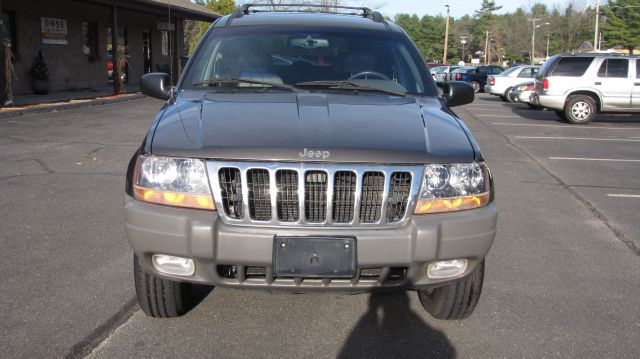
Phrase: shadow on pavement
(390,329)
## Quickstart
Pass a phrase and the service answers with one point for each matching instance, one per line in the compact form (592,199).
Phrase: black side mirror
(156,84)
(456,93)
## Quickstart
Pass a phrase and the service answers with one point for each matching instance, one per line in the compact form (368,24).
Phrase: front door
(146,51)
(615,84)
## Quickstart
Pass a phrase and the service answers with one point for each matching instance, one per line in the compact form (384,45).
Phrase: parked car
(501,84)
(522,92)
(440,73)
(352,175)
(578,86)
(476,76)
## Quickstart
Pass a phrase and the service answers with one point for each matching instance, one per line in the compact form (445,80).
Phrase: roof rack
(365,12)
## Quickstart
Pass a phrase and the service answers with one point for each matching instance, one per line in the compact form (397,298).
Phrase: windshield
(309,59)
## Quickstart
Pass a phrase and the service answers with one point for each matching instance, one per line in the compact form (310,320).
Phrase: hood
(311,127)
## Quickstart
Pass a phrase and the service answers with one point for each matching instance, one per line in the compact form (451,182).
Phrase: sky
(458,8)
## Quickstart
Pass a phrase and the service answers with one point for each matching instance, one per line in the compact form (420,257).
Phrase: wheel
(580,109)
(561,115)
(456,300)
(365,75)
(506,97)
(475,85)
(160,298)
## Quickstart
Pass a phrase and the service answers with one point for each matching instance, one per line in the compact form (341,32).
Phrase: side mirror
(156,84)
(456,93)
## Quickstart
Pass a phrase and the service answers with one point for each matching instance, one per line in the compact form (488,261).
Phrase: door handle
(598,83)
(636,84)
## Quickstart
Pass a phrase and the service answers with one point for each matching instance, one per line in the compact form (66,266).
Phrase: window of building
(90,40)
(9,21)
(165,43)
(614,68)
(638,69)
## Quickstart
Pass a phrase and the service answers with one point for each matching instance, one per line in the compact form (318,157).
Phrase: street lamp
(446,36)
(533,39)
(463,41)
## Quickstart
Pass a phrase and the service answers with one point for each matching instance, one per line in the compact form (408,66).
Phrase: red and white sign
(54,31)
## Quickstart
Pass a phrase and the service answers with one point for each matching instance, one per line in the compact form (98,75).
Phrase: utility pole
(486,46)
(548,37)
(595,34)
(533,41)
(446,37)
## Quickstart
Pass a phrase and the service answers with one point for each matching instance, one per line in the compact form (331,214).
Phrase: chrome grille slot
(287,198)
(344,196)
(291,195)
(315,196)
(399,190)
(372,193)
(259,201)
(231,192)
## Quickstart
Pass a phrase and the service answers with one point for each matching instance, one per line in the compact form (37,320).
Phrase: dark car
(475,76)
(308,152)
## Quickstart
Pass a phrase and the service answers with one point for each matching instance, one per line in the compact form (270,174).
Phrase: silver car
(439,73)
(578,86)
(501,84)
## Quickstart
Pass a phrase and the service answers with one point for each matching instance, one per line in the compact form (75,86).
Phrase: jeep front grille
(289,194)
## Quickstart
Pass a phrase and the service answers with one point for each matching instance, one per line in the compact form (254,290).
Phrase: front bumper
(213,244)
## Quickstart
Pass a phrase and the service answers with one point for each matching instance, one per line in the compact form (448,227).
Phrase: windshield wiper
(236,81)
(348,86)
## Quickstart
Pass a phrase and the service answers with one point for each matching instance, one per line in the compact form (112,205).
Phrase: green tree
(222,7)
(622,25)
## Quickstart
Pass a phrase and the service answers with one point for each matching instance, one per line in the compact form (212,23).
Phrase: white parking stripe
(500,116)
(592,159)
(624,195)
(567,126)
(575,138)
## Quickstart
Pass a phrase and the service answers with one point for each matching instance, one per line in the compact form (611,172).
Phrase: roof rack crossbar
(246,10)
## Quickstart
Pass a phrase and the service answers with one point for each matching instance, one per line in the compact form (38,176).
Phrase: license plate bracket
(314,257)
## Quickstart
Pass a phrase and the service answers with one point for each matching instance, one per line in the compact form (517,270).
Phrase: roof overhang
(181,8)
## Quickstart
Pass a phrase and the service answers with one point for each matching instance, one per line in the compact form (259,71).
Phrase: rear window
(571,66)
(614,68)
(529,72)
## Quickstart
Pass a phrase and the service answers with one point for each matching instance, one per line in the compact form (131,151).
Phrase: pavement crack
(618,234)
(92,340)
(22,140)
(44,166)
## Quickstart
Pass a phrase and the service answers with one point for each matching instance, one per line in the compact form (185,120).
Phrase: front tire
(580,109)
(160,298)
(456,300)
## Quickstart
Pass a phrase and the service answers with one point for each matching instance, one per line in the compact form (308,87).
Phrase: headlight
(170,181)
(454,187)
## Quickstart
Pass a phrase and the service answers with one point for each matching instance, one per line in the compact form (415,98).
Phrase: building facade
(76,39)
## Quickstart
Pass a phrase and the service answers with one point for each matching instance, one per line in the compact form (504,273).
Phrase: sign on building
(165,26)
(54,31)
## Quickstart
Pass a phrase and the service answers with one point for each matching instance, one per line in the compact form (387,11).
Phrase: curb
(61,106)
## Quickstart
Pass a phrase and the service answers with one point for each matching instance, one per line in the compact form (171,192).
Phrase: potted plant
(39,74)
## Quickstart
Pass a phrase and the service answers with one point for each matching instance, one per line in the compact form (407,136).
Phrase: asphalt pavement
(562,277)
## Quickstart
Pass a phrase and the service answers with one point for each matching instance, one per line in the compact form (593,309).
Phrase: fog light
(173,265)
(446,269)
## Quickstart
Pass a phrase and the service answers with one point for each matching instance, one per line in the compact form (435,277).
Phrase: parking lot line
(575,138)
(567,126)
(624,195)
(592,159)
(500,116)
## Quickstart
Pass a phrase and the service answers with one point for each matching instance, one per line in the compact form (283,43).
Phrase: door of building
(147,51)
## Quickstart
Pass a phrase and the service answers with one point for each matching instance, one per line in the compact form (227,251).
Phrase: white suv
(578,86)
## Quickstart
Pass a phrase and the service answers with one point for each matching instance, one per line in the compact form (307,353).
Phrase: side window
(617,68)
(527,73)
(572,66)
(497,70)
(482,70)
(638,69)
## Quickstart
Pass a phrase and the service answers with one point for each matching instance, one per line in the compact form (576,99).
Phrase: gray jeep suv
(308,151)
